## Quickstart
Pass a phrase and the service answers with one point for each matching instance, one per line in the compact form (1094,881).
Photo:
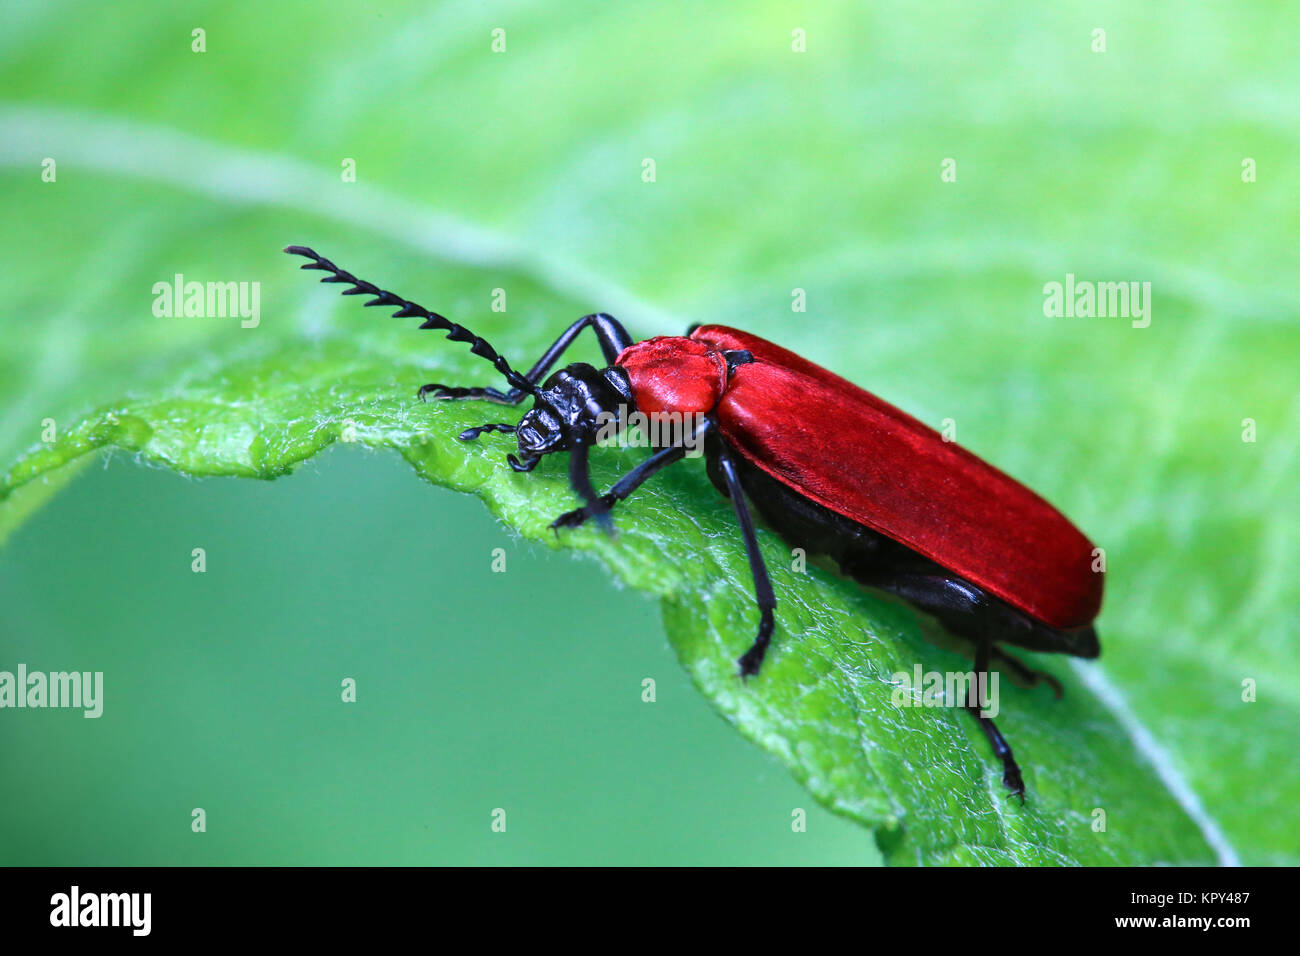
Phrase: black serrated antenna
(407,309)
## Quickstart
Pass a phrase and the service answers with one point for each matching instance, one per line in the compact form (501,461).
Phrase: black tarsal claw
(1012,781)
(425,390)
(749,663)
(570,519)
(578,517)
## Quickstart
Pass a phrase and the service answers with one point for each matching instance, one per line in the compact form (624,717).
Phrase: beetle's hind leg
(1011,777)
(960,607)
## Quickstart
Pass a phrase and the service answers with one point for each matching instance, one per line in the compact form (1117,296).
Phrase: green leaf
(775,171)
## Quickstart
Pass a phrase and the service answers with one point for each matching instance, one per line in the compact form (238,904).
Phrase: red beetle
(831,467)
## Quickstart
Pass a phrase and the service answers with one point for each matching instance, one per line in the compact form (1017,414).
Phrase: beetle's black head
(570,408)
(569,412)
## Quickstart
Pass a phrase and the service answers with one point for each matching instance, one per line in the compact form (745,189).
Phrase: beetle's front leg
(470,434)
(445,392)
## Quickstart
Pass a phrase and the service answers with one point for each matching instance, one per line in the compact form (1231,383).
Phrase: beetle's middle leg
(752,659)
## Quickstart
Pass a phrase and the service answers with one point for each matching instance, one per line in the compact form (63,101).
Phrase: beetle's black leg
(963,608)
(580,478)
(633,480)
(957,604)
(470,434)
(609,331)
(1011,778)
(1027,673)
(752,659)
(440,391)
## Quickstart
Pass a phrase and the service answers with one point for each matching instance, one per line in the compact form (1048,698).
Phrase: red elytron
(831,467)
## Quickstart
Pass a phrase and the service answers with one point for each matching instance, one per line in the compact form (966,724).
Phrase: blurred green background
(475,690)
(775,169)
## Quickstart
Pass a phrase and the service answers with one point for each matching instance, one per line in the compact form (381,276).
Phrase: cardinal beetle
(831,467)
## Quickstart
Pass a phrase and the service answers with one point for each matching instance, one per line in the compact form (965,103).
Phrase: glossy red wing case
(861,457)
